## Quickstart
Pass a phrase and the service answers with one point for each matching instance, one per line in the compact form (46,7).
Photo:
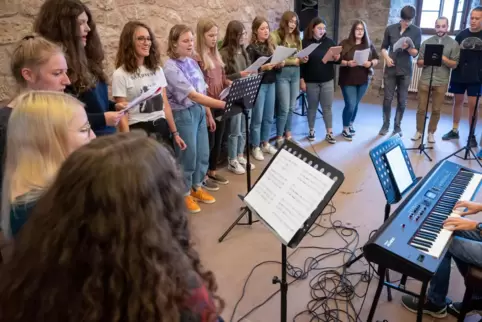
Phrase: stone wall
(17,16)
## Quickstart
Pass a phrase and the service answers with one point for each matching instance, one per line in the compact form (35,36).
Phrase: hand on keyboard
(459,223)
(471,207)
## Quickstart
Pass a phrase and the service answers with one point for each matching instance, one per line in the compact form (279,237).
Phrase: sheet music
(361,56)
(257,64)
(154,91)
(307,51)
(224,93)
(287,194)
(281,53)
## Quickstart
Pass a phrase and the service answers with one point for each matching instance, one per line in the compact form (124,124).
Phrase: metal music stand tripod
(287,215)
(470,64)
(433,58)
(241,99)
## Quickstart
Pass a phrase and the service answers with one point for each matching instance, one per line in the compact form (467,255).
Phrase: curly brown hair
(57,22)
(106,244)
(126,54)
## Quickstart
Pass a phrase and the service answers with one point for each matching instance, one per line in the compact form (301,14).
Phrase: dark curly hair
(126,54)
(109,241)
(57,22)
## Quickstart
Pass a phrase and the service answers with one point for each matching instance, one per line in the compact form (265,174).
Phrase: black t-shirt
(463,38)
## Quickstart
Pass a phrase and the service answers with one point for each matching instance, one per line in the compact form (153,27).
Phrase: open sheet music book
(287,194)
(154,91)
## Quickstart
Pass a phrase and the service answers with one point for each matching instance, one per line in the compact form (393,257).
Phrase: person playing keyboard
(465,249)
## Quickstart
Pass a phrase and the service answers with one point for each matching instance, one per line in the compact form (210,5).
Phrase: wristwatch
(479,227)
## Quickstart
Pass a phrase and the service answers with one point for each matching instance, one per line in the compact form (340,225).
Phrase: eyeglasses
(144,39)
(360,29)
(86,129)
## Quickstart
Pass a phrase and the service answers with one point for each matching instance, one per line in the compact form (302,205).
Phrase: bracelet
(175,133)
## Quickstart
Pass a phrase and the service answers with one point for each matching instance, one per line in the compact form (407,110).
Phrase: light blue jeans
(194,160)
(465,249)
(287,90)
(352,96)
(237,135)
(263,114)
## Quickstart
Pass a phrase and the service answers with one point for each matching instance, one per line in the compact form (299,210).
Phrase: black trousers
(159,129)
(216,141)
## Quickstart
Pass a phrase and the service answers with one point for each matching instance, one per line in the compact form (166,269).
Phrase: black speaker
(306,11)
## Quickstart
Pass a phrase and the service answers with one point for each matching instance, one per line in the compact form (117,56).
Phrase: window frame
(453,30)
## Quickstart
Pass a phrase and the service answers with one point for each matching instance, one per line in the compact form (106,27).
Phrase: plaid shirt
(200,306)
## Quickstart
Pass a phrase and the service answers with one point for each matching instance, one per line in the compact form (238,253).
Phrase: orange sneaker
(202,195)
(192,205)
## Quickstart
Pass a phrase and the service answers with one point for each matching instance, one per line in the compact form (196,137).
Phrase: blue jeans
(194,160)
(237,135)
(263,114)
(465,249)
(352,96)
(287,90)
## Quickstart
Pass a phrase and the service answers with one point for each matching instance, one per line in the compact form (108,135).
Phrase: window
(455,10)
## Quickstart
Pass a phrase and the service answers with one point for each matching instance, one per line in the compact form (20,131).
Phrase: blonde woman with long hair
(48,126)
(212,66)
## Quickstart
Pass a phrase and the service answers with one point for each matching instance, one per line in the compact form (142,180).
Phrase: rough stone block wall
(17,17)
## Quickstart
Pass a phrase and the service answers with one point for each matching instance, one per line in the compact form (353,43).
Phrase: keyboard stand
(382,271)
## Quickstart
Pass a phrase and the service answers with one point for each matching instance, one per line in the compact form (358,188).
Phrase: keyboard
(413,240)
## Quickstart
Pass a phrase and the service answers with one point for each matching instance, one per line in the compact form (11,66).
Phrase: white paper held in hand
(307,51)
(287,194)
(281,53)
(361,56)
(154,91)
(224,93)
(257,64)
(398,45)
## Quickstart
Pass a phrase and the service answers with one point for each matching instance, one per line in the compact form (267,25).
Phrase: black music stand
(289,196)
(433,58)
(241,99)
(304,105)
(393,194)
(470,64)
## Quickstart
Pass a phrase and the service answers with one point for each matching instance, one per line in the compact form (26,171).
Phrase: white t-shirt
(130,86)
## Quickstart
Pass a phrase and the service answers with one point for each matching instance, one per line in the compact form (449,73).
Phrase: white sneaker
(279,143)
(244,163)
(235,167)
(431,138)
(268,148)
(417,136)
(257,154)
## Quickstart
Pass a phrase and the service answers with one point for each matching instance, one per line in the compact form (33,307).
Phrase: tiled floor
(359,204)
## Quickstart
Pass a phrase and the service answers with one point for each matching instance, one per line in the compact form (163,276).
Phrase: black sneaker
(411,303)
(475,307)
(311,135)
(451,135)
(219,179)
(352,130)
(210,185)
(347,135)
(330,138)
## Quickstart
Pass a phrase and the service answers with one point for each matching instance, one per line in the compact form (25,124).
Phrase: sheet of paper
(333,51)
(361,56)
(224,93)
(257,64)
(398,45)
(154,91)
(307,51)
(287,194)
(281,53)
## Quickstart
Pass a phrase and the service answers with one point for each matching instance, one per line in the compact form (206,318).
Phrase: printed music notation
(288,193)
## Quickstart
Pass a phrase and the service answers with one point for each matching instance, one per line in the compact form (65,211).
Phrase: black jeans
(158,129)
(216,140)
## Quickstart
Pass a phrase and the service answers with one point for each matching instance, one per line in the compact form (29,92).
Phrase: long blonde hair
(203,26)
(37,145)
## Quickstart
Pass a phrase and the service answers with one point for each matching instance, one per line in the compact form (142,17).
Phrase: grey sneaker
(451,135)
(219,179)
(383,131)
(210,185)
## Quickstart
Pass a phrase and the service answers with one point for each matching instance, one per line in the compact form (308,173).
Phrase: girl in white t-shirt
(138,70)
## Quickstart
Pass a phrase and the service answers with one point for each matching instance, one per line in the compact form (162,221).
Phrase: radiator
(417,73)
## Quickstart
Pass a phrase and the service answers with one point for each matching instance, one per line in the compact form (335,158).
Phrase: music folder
(292,192)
